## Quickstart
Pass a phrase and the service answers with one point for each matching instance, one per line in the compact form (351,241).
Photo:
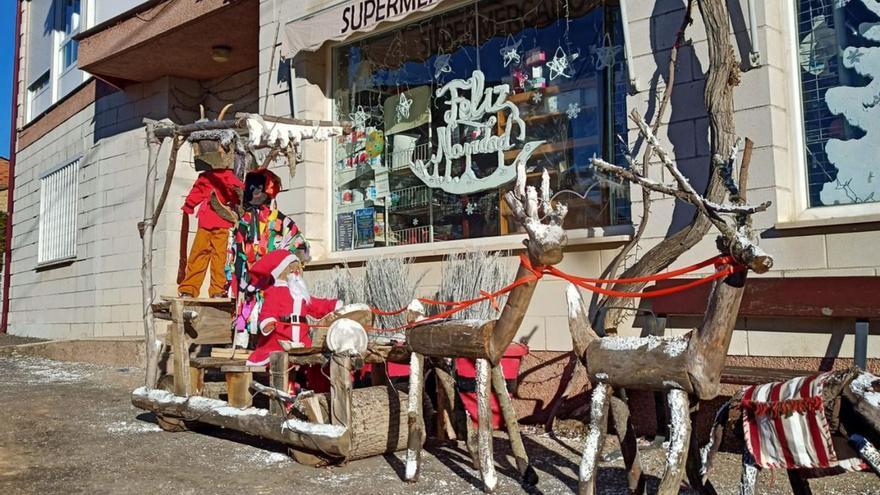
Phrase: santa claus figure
(286,304)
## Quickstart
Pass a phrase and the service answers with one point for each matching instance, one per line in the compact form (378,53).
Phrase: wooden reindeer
(679,366)
(486,340)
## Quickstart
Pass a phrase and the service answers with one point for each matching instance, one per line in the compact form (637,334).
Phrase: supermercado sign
(308,26)
(474,108)
(365,13)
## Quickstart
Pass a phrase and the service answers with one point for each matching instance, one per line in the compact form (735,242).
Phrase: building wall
(766,103)
(99,293)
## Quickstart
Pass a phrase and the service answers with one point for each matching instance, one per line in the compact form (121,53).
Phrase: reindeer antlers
(546,240)
(223,111)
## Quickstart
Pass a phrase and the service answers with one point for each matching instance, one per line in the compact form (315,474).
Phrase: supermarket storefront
(447,97)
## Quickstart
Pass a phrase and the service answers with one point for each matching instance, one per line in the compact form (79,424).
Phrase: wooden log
(857,393)
(799,484)
(179,351)
(278,378)
(527,473)
(679,443)
(446,429)
(709,343)
(582,333)
(620,415)
(313,411)
(589,468)
(153,344)
(340,390)
(378,423)
(196,380)
(415,419)
(642,363)
(697,478)
(253,421)
(452,338)
(484,427)
(511,317)
(238,388)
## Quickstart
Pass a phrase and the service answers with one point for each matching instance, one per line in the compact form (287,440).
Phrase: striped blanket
(785,425)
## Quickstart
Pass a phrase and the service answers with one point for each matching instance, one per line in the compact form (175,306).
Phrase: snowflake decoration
(471,208)
(359,118)
(573,111)
(403,106)
(415,222)
(441,65)
(510,52)
(854,56)
(561,64)
(537,97)
(605,55)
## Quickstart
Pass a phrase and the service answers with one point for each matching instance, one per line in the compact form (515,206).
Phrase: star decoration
(605,55)
(441,65)
(471,208)
(510,52)
(359,118)
(573,111)
(561,64)
(403,106)
(854,56)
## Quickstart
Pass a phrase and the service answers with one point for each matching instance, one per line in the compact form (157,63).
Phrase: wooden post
(415,417)
(526,471)
(279,378)
(679,442)
(589,468)
(484,427)
(179,350)
(196,380)
(620,415)
(153,345)
(238,384)
(446,423)
(340,390)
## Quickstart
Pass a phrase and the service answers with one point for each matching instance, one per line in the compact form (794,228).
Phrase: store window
(839,56)
(437,133)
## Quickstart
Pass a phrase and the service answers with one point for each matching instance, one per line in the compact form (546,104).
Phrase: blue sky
(7,46)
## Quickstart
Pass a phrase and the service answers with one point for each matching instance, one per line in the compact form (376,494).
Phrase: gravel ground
(6,339)
(70,428)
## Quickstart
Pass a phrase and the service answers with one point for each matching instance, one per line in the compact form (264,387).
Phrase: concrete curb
(120,352)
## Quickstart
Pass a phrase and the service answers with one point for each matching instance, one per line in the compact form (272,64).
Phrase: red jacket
(278,303)
(224,183)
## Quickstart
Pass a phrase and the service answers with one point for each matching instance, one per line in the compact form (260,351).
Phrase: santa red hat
(269,268)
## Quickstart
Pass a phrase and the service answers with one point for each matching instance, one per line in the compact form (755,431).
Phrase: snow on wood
(593,442)
(678,425)
(671,346)
(203,404)
(484,417)
(306,428)
(261,133)
(863,386)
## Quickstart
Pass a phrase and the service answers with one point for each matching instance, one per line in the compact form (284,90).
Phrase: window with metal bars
(839,56)
(58,211)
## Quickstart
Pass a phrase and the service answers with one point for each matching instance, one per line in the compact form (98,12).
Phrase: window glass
(71,12)
(431,155)
(839,56)
(39,96)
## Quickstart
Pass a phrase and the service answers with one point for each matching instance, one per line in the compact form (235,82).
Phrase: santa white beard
(298,288)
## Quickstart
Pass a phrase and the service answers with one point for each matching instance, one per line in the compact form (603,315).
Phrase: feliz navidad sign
(473,105)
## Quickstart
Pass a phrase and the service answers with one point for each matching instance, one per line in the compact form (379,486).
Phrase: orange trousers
(209,248)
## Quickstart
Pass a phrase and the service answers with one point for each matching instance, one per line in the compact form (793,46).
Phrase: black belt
(297,319)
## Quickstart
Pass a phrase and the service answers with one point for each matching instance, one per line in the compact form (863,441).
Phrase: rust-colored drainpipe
(10,204)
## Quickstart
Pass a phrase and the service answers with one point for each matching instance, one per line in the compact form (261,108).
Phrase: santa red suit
(286,304)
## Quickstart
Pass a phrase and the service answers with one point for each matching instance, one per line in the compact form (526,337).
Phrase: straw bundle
(465,275)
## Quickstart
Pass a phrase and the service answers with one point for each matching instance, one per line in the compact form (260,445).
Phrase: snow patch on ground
(27,370)
(262,457)
(126,427)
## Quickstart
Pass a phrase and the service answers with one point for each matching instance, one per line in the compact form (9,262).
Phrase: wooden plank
(212,362)
(745,375)
(803,297)
(340,390)
(229,353)
(179,351)
(238,389)
(279,379)
(196,380)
